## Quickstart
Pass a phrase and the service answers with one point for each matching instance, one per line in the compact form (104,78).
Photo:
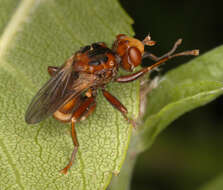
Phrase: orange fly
(69,96)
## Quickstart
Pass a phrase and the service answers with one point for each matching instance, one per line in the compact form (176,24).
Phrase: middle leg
(118,105)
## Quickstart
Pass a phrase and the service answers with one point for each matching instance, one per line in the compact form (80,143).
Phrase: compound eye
(131,59)
(134,56)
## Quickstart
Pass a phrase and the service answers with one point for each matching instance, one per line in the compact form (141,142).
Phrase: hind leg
(83,111)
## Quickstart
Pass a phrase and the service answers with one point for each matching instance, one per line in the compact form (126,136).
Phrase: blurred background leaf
(185,88)
(187,154)
(215,184)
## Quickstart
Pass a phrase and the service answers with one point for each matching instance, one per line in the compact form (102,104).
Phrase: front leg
(134,76)
(118,105)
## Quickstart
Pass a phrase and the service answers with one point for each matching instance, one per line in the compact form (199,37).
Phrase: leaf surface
(34,35)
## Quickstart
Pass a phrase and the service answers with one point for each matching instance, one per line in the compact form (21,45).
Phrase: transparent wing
(62,87)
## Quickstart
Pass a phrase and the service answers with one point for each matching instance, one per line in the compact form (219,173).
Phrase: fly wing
(61,88)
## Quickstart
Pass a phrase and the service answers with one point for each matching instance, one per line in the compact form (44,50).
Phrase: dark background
(189,152)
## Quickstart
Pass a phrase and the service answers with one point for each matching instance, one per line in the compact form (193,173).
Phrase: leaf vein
(13,166)
(82,170)
(12,28)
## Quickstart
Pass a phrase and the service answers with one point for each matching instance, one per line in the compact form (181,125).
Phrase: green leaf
(6,10)
(187,87)
(215,184)
(34,35)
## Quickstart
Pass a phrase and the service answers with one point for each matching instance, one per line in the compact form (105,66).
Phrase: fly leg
(76,145)
(52,70)
(84,110)
(134,76)
(89,111)
(118,105)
